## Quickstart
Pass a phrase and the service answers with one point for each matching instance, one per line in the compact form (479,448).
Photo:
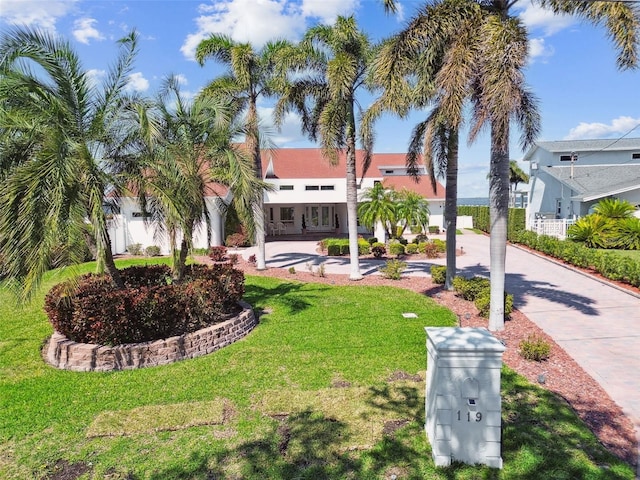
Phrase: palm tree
(498,44)
(411,209)
(63,136)
(187,144)
(516,176)
(251,74)
(331,65)
(378,205)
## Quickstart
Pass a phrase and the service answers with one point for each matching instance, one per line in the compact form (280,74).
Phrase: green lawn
(313,392)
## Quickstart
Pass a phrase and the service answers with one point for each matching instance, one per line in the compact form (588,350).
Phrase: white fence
(552,227)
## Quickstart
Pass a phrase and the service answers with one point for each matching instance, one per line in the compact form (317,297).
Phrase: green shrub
(441,245)
(411,248)
(379,250)
(396,248)
(135,249)
(626,234)
(372,240)
(152,251)
(334,250)
(535,348)
(483,303)
(393,269)
(363,247)
(470,288)
(438,274)
(434,229)
(430,249)
(593,230)
(292,270)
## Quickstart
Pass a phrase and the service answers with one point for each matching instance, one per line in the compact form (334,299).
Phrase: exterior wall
(129,227)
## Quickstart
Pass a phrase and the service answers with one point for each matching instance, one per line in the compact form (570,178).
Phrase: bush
(434,229)
(363,247)
(483,303)
(252,259)
(89,309)
(411,248)
(393,269)
(379,250)
(236,240)
(420,238)
(218,254)
(152,251)
(334,250)
(135,249)
(372,240)
(438,274)
(396,248)
(292,270)
(441,245)
(430,249)
(470,288)
(535,348)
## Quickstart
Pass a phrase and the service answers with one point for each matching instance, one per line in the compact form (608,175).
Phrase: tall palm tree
(64,138)
(187,144)
(331,65)
(251,74)
(516,176)
(498,43)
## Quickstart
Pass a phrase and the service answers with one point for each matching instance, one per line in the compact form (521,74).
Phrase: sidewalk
(595,323)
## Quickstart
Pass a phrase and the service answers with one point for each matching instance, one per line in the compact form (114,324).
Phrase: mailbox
(463,403)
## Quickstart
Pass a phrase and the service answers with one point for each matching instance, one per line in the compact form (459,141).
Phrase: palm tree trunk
(352,198)
(498,211)
(104,245)
(451,207)
(182,259)
(253,144)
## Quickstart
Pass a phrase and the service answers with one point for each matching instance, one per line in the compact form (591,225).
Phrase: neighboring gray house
(568,177)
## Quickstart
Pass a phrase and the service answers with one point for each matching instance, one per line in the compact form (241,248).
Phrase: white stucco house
(305,184)
(568,177)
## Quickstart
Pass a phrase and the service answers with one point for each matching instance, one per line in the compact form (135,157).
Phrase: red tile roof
(295,163)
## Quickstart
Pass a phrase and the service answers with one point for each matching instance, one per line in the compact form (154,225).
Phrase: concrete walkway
(594,322)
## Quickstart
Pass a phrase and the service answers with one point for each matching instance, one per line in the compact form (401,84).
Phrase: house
(305,185)
(569,177)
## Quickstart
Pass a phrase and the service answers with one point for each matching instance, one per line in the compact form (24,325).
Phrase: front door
(320,216)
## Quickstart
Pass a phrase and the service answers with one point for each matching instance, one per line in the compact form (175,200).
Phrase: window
(311,187)
(140,214)
(286,187)
(565,158)
(286,214)
(327,187)
(388,171)
(635,156)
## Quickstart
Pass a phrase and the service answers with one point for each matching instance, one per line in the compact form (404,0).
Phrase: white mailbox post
(463,403)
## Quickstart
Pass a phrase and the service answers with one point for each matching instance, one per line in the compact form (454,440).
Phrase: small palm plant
(592,230)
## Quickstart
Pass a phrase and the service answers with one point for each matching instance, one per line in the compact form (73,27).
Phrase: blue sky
(572,66)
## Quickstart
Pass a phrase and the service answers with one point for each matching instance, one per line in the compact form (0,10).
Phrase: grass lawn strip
(155,418)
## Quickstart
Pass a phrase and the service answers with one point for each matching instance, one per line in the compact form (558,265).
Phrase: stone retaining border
(66,354)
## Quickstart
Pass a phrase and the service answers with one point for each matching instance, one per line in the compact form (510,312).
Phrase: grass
(329,385)
(633,254)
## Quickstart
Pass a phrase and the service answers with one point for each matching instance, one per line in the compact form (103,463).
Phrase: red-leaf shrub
(91,310)
(218,254)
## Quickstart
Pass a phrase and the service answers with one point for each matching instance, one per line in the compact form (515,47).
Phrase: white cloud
(539,50)
(83,30)
(258,21)
(536,17)
(289,132)
(96,76)
(182,80)
(137,83)
(42,14)
(618,126)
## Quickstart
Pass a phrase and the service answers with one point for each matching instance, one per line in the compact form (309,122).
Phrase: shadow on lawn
(291,295)
(541,439)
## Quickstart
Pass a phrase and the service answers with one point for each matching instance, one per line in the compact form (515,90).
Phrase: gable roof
(300,163)
(562,146)
(591,182)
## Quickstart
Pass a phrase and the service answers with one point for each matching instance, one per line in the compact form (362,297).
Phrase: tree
(189,147)
(251,75)
(412,209)
(331,66)
(378,204)
(498,44)
(63,139)
(516,176)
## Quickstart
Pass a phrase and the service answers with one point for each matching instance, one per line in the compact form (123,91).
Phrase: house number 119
(477,417)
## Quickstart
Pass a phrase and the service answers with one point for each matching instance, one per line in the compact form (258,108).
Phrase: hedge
(516,218)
